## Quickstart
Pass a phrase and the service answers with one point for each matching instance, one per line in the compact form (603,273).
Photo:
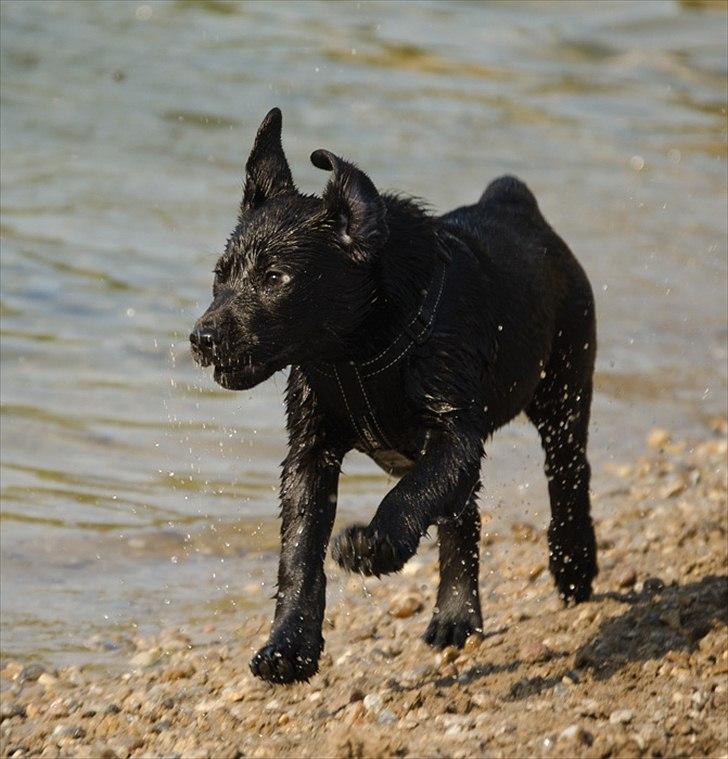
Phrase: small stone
(95,751)
(8,710)
(373,702)
(11,669)
(123,745)
(68,731)
(284,719)
(472,643)
(534,651)
(535,571)
(30,673)
(233,694)
(387,717)
(147,658)
(47,680)
(405,605)
(354,712)
(577,734)
(210,705)
(658,438)
(672,488)
(621,717)
(356,695)
(33,709)
(625,577)
(449,655)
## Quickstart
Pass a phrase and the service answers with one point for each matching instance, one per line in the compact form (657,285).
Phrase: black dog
(411,338)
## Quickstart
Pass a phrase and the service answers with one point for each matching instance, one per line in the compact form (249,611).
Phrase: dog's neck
(405,267)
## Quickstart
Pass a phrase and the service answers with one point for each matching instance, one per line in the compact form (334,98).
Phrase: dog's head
(296,278)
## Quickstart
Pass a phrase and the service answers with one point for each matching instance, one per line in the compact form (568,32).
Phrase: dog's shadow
(660,619)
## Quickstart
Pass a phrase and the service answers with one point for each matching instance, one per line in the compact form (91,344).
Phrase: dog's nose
(203,338)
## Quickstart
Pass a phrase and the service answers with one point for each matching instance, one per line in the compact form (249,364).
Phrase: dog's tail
(509,189)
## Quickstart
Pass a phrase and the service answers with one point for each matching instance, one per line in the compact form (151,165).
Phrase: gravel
(642,670)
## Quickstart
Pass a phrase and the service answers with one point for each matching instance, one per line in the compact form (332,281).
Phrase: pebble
(472,643)
(233,694)
(146,658)
(9,709)
(373,702)
(405,605)
(533,651)
(449,655)
(621,716)
(123,745)
(387,717)
(68,731)
(658,438)
(47,680)
(672,488)
(95,751)
(30,673)
(211,705)
(625,577)
(575,733)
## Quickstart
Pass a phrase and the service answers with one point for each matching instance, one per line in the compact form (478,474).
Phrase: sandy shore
(641,670)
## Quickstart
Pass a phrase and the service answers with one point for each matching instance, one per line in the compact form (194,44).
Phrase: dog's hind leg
(560,410)
(457,611)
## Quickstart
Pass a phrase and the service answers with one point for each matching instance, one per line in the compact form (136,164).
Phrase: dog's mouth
(243,375)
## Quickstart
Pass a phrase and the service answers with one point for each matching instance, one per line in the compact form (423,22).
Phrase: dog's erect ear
(267,173)
(353,200)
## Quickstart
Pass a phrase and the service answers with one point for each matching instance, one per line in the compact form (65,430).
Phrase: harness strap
(350,376)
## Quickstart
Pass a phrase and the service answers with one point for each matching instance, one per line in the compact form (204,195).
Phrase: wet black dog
(411,338)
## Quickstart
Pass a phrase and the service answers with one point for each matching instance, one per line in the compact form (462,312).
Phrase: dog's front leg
(446,474)
(308,506)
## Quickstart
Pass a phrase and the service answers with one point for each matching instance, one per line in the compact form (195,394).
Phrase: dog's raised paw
(360,549)
(282,666)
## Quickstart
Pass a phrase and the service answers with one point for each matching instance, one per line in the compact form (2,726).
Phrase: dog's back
(533,288)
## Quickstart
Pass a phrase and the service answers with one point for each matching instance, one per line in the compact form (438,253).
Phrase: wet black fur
(307,280)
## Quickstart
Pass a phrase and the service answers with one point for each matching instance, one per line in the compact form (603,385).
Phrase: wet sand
(641,670)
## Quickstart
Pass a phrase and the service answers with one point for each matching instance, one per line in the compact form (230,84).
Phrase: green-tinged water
(137,492)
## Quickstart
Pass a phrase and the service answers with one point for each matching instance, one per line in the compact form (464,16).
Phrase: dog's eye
(275,278)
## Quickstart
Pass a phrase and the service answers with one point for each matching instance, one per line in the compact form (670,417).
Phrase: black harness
(363,386)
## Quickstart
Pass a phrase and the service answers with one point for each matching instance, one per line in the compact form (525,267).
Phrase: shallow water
(135,492)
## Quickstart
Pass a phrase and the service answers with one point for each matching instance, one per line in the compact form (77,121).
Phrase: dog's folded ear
(352,199)
(267,173)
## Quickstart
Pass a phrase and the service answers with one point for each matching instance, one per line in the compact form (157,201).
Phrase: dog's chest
(368,408)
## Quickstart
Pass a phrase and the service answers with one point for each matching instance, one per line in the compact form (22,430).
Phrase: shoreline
(641,670)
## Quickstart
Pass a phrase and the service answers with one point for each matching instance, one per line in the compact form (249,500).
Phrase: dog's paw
(573,560)
(446,631)
(573,574)
(361,549)
(285,663)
